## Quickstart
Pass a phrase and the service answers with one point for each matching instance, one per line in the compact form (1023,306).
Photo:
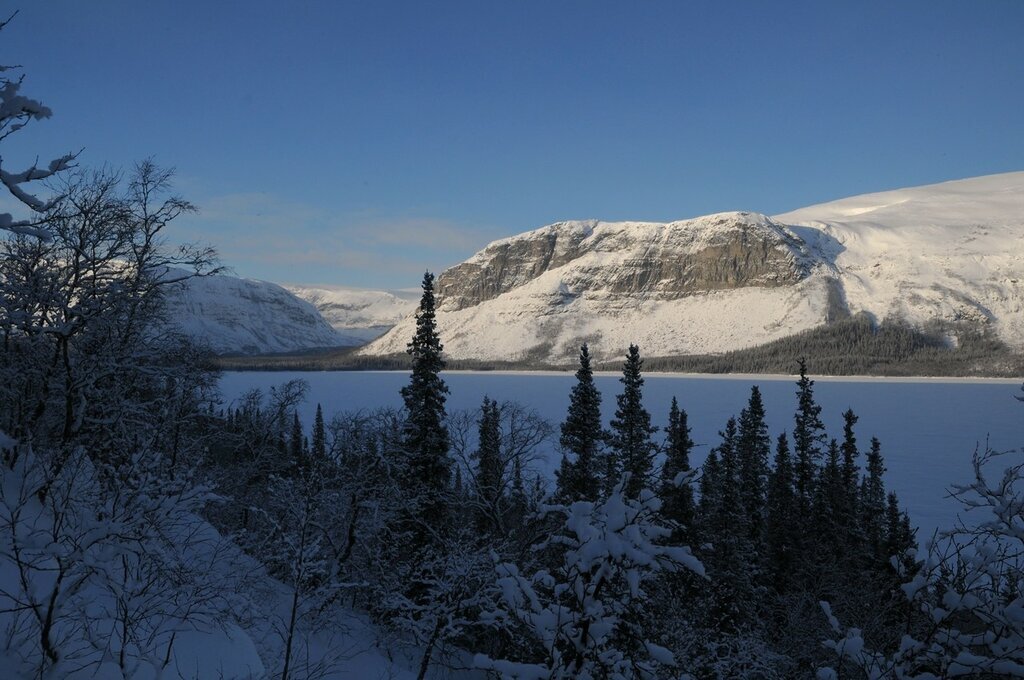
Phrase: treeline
(634,564)
(437,526)
(778,528)
(859,346)
(854,345)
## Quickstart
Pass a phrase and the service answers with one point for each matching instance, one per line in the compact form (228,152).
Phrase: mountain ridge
(946,252)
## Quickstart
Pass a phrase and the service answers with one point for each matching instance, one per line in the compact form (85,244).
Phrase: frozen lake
(928,427)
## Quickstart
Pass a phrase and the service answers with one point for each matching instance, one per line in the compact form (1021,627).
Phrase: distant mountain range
(947,253)
(358,313)
(247,316)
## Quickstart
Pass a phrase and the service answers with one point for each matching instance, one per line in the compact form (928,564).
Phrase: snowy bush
(102,581)
(585,617)
(968,592)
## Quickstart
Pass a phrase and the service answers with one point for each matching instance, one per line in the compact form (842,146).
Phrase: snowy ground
(928,426)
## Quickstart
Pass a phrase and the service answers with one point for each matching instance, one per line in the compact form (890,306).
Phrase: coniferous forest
(783,555)
(143,515)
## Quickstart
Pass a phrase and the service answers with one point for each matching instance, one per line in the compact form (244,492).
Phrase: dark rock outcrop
(725,251)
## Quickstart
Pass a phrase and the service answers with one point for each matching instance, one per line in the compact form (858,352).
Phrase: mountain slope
(723,282)
(358,313)
(247,316)
(950,251)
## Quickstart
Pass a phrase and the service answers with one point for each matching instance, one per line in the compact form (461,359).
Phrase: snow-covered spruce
(583,617)
(968,589)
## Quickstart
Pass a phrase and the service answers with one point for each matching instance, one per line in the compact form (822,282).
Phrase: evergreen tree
(488,455)
(631,428)
(847,512)
(873,503)
(849,451)
(319,447)
(829,498)
(781,515)
(753,447)
(710,487)
(677,499)
(729,558)
(579,477)
(899,536)
(295,444)
(425,434)
(730,510)
(808,437)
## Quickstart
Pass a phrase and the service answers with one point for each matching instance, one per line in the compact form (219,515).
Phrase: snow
(248,316)
(551,312)
(948,251)
(929,427)
(358,312)
(244,643)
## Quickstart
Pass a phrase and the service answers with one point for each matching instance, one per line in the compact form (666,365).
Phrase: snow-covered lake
(928,427)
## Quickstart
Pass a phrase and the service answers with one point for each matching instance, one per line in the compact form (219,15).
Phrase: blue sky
(359,143)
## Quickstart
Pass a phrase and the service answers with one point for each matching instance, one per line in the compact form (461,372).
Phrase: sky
(360,143)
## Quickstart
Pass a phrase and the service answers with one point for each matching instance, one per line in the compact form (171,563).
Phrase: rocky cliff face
(669,261)
(946,252)
(721,281)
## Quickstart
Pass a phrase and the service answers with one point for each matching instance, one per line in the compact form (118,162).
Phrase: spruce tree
(847,513)
(425,434)
(730,508)
(753,447)
(808,437)
(899,536)
(830,532)
(677,499)
(296,461)
(710,487)
(781,516)
(579,477)
(730,556)
(319,448)
(850,453)
(631,428)
(873,503)
(488,455)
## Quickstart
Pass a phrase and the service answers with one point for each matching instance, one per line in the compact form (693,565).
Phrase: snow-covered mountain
(950,251)
(247,316)
(356,312)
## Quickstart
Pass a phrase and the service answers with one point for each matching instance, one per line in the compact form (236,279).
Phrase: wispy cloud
(267,236)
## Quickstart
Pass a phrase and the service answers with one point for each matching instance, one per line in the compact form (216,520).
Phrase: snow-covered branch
(16,111)
(585,616)
(969,592)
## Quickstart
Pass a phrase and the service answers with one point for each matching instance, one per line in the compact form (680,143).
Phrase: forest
(852,345)
(136,508)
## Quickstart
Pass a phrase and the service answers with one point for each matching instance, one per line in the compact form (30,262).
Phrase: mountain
(246,316)
(356,312)
(950,252)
